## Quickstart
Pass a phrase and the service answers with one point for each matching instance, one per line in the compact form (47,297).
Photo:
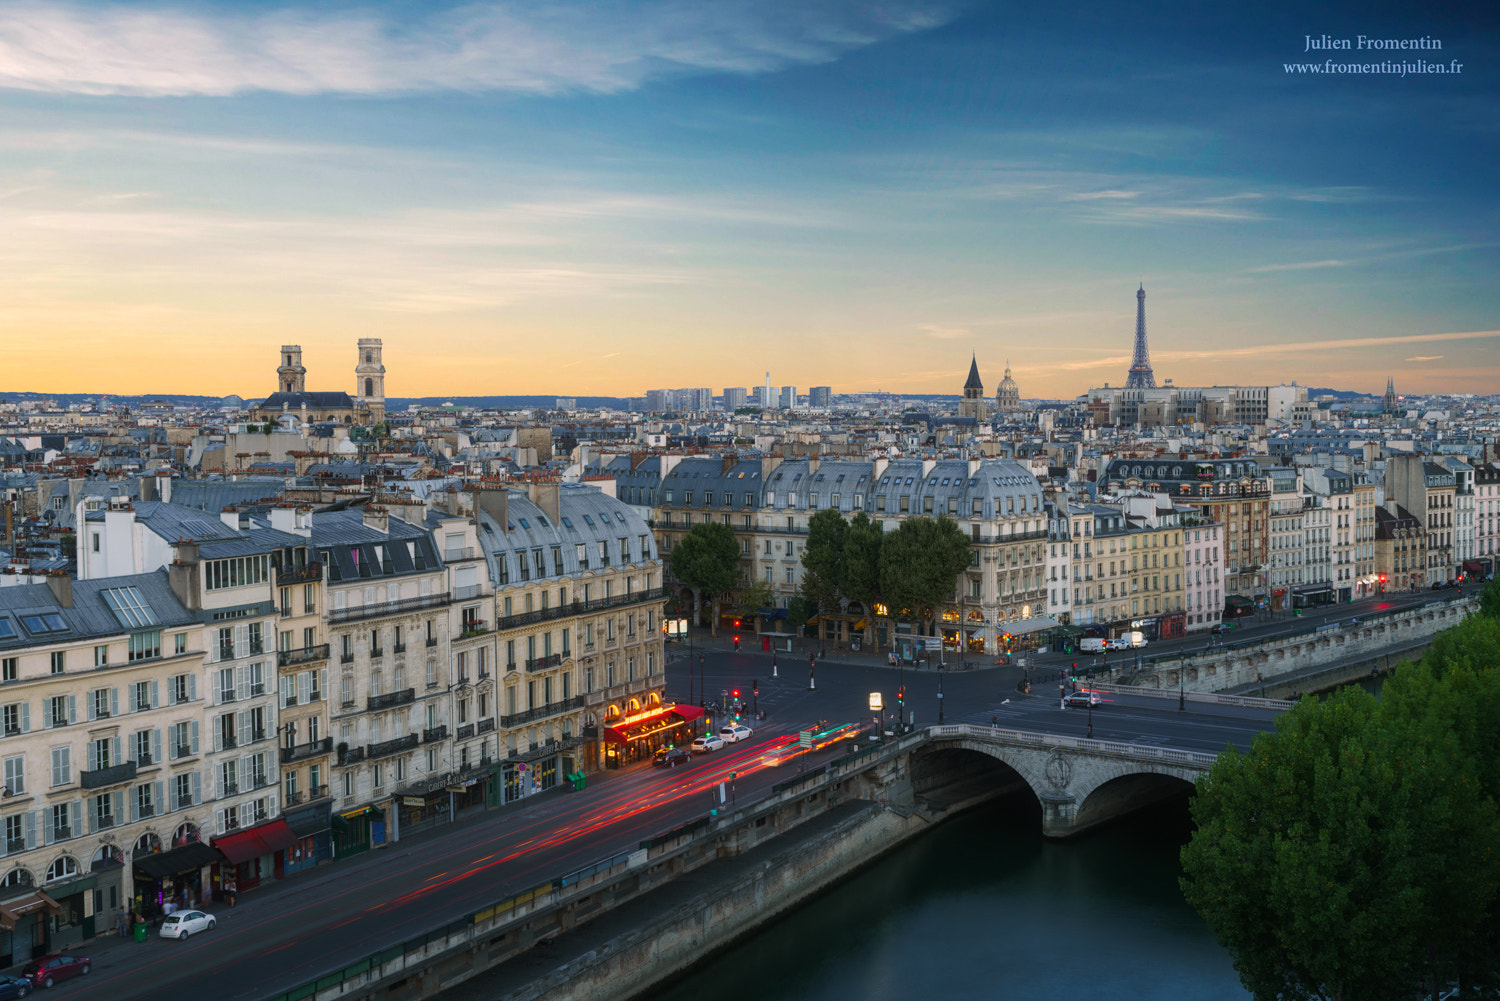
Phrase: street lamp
(812,680)
(1091,716)
(940,698)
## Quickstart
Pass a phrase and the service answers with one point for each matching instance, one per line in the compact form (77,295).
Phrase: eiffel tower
(1140,376)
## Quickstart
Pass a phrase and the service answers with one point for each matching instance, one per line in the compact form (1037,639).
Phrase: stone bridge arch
(1077,787)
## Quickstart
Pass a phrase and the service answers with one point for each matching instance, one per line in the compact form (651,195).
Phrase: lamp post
(940,697)
(1091,716)
(773,659)
(690,667)
(812,680)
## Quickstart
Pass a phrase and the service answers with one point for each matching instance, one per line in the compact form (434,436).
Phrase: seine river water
(983,907)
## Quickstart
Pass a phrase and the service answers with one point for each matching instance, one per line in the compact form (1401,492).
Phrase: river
(984,907)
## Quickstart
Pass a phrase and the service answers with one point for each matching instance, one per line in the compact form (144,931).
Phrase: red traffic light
(736,623)
(736,639)
(735,693)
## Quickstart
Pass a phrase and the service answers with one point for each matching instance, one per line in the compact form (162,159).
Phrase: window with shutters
(59,710)
(16,718)
(101,753)
(61,829)
(15,776)
(144,801)
(62,766)
(103,811)
(182,791)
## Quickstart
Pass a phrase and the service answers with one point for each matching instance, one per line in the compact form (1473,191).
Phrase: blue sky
(582,198)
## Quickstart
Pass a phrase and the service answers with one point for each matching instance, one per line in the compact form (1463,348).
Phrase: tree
(919,565)
(707,560)
(799,610)
(823,563)
(863,541)
(753,599)
(1489,600)
(1350,854)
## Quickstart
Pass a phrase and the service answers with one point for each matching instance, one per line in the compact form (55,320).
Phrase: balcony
(311,749)
(543,663)
(359,612)
(473,627)
(351,755)
(433,734)
(301,575)
(346,658)
(376,653)
(541,712)
(467,591)
(13,845)
(579,608)
(388,747)
(101,777)
(313,794)
(486,725)
(398,648)
(465,732)
(431,641)
(390,699)
(460,554)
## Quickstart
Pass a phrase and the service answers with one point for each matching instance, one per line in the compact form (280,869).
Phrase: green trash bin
(140,931)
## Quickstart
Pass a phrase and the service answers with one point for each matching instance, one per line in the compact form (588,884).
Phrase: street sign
(932,642)
(876,702)
(804,739)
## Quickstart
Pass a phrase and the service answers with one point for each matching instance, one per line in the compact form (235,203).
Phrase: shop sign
(416,801)
(455,789)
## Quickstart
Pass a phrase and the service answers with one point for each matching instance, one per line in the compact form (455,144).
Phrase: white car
(707,742)
(734,732)
(185,923)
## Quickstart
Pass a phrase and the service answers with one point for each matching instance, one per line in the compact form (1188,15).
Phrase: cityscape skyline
(590,194)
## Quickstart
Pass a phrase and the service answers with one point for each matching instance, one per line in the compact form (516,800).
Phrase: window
(59,661)
(144,646)
(60,710)
(62,766)
(10,668)
(16,718)
(179,644)
(15,776)
(239,572)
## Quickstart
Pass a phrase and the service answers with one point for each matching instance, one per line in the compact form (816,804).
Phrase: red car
(48,970)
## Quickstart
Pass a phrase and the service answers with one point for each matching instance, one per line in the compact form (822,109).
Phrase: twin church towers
(366,406)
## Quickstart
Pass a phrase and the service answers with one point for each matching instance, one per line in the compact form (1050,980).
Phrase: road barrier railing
(1110,747)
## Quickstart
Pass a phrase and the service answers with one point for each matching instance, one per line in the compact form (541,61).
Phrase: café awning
(650,722)
(188,858)
(13,910)
(242,846)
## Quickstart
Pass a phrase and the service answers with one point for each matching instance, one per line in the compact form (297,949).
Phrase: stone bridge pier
(1078,783)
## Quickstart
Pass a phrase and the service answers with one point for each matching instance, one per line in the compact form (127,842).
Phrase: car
(49,970)
(14,987)
(707,742)
(778,756)
(734,732)
(670,757)
(185,923)
(1082,697)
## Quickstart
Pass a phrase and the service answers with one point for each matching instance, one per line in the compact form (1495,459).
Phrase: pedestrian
(124,923)
(230,889)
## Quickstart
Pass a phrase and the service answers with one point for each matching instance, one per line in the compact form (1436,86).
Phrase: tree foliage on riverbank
(1355,852)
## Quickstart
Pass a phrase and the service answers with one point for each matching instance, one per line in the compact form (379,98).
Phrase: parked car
(185,923)
(707,742)
(14,987)
(734,732)
(671,756)
(49,970)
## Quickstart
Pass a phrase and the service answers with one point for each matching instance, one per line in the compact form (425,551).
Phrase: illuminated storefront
(636,736)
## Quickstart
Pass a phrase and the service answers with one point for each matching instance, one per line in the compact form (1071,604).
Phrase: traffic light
(736,623)
(755,687)
(735,693)
(901,695)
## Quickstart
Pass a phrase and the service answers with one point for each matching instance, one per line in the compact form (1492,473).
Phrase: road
(290,932)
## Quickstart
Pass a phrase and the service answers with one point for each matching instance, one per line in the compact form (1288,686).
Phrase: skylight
(49,622)
(129,607)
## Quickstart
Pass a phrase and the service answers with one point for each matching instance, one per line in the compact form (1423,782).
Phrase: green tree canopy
(823,561)
(707,560)
(752,599)
(920,563)
(861,568)
(1351,854)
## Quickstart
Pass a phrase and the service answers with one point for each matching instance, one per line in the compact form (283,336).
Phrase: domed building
(1008,396)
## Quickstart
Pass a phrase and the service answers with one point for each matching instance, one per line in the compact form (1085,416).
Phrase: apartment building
(1400,548)
(104,780)
(1427,489)
(1287,570)
(388,626)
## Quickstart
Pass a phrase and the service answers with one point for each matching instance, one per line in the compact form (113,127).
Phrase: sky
(600,198)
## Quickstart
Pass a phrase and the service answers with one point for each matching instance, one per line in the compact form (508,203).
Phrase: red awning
(1473,566)
(241,846)
(651,722)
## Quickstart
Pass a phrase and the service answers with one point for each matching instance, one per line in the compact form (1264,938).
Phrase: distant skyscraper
(762,397)
(788,397)
(659,399)
(567,403)
(734,398)
(820,396)
(1140,376)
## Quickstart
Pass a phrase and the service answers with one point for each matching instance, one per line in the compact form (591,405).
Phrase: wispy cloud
(1301,266)
(943,333)
(524,46)
(1426,358)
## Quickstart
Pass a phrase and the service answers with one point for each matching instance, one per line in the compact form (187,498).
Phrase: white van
(1093,644)
(1131,640)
